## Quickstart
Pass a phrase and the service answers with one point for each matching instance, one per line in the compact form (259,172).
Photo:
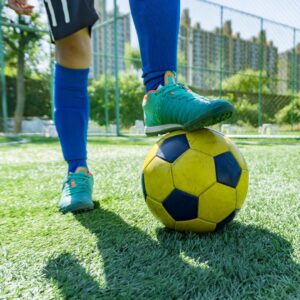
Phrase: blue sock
(157,26)
(71,114)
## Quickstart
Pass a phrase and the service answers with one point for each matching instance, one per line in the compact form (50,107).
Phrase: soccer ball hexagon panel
(158,179)
(195,181)
(191,172)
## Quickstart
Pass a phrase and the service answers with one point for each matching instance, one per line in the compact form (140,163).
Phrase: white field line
(22,141)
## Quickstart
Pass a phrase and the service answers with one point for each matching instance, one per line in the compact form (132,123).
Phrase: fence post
(117,109)
(3,79)
(294,79)
(221,50)
(51,81)
(261,65)
(106,113)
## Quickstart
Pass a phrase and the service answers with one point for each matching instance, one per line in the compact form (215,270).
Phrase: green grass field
(119,251)
(4,139)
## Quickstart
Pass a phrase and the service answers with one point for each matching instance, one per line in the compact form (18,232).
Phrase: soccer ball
(195,181)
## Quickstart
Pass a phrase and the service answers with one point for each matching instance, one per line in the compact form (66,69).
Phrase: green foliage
(292,110)
(247,81)
(246,109)
(133,58)
(182,66)
(243,86)
(30,42)
(181,60)
(131,95)
(37,91)
(245,112)
(24,54)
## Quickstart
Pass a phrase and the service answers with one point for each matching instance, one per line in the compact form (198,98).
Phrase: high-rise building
(214,55)
(103,42)
(289,71)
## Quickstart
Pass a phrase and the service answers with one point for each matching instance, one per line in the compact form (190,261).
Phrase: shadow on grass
(242,261)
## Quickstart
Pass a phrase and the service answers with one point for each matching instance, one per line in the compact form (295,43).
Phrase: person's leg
(74,51)
(71,113)
(70,23)
(157,26)
(73,57)
(168,106)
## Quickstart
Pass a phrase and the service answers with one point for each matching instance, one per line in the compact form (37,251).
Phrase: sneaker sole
(79,209)
(161,129)
(213,118)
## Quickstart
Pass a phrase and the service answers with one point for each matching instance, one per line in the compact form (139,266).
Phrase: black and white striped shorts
(69,16)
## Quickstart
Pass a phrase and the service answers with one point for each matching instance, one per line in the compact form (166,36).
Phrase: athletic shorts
(69,16)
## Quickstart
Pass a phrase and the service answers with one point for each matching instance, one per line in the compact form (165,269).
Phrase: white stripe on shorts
(51,10)
(66,10)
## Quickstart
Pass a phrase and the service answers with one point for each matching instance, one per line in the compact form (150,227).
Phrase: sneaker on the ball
(173,107)
(77,191)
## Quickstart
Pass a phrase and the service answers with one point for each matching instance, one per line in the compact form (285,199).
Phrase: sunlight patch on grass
(120,250)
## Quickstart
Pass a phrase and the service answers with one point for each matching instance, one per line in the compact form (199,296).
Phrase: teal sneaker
(173,107)
(77,191)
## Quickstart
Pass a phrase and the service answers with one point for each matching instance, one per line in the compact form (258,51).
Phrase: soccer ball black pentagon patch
(143,186)
(172,147)
(181,206)
(195,181)
(227,169)
(227,220)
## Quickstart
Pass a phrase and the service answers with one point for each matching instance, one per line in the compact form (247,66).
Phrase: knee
(74,51)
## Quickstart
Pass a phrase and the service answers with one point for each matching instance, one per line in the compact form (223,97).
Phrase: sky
(281,11)
(286,12)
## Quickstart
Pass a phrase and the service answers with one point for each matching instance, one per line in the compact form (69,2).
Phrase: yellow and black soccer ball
(195,181)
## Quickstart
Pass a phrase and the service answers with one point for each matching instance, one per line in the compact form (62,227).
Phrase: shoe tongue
(81,170)
(170,78)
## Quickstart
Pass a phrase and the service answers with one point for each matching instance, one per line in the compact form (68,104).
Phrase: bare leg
(74,51)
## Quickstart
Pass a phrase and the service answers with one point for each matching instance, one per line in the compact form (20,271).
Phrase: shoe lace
(80,180)
(184,87)
(179,86)
(167,89)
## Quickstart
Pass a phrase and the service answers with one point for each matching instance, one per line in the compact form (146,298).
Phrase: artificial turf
(119,251)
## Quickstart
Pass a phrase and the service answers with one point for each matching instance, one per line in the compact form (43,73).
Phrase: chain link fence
(222,52)
(26,66)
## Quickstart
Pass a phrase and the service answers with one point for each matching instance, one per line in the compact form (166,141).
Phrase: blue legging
(157,26)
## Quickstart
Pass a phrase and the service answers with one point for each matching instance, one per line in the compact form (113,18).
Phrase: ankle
(74,164)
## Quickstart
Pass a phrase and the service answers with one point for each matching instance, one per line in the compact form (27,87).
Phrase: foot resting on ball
(77,192)
(173,106)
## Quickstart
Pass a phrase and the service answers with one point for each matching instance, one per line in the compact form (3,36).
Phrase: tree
(133,58)
(183,68)
(23,46)
(247,81)
(131,95)
(292,110)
